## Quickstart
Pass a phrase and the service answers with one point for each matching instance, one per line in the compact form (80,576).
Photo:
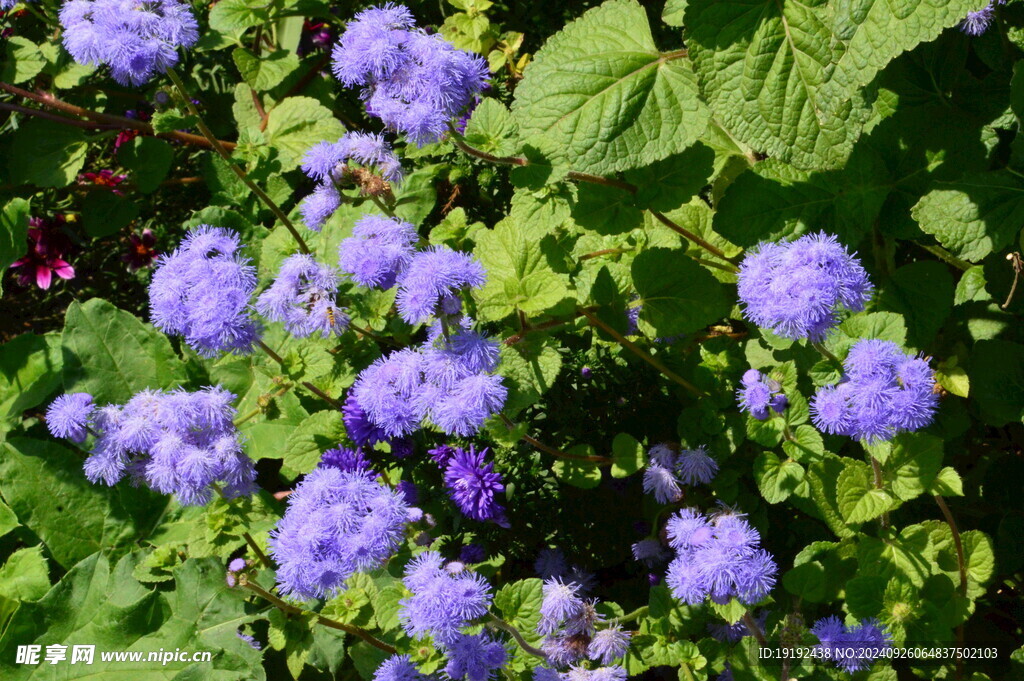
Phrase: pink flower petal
(44,275)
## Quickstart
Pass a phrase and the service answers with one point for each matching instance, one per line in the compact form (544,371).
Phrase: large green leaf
(13,233)
(296,124)
(30,369)
(997,381)
(677,294)
(112,355)
(601,89)
(46,154)
(859,499)
(44,484)
(95,605)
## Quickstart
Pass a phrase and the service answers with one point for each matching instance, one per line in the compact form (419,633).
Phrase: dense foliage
(527,340)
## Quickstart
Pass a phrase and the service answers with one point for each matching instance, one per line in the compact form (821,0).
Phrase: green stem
(961,567)
(290,609)
(509,629)
(755,630)
(947,257)
(223,153)
(635,349)
(557,453)
(635,615)
(876,468)
(820,347)
(685,669)
(257,550)
(380,204)
(259,409)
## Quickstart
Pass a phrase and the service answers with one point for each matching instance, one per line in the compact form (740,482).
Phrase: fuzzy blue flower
(473,485)
(348,460)
(668,469)
(979,21)
(360,429)
(851,648)
(717,558)
(386,390)
(472,553)
(329,161)
(176,442)
(378,250)
(68,416)
(608,644)
(758,394)
(303,298)
(883,392)
(416,83)
(433,276)
(561,603)
(398,668)
(797,289)
(441,603)
(337,523)
(614,673)
(649,551)
(137,39)
(320,205)
(469,402)
(474,658)
(202,292)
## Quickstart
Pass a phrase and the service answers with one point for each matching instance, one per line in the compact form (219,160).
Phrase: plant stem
(961,567)
(238,171)
(945,256)
(635,615)
(685,669)
(305,384)
(509,629)
(257,550)
(876,468)
(755,630)
(258,410)
(290,609)
(380,204)
(820,347)
(629,345)
(714,250)
(557,453)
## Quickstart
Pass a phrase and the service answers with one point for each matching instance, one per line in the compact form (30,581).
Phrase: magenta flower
(141,253)
(104,178)
(46,248)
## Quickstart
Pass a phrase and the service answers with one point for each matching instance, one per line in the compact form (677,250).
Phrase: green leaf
(601,89)
(266,71)
(105,213)
(519,276)
(997,381)
(8,520)
(923,293)
(806,444)
(576,472)
(519,603)
(171,120)
(46,154)
(971,286)
(530,368)
(606,210)
(914,463)
(627,455)
(111,355)
(975,216)
(678,295)
(979,559)
(25,577)
(777,479)
(149,159)
(859,500)
(234,16)
(673,12)
(296,124)
(13,233)
(45,486)
(947,483)
(22,60)
(416,197)
(96,606)
(30,369)
(907,554)
(321,431)
(492,129)
(667,184)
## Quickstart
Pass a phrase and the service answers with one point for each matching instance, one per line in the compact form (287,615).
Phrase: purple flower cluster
(303,297)
(883,391)
(358,425)
(442,603)
(448,381)
(474,658)
(331,164)
(850,648)
(398,668)
(202,292)
(378,250)
(718,557)
(348,461)
(668,470)
(796,289)
(177,442)
(474,486)
(759,394)
(137,39)
(413,81)
(569,624)
(337,523)
(979,21)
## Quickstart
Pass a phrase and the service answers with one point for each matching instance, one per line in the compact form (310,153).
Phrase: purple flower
(608,644)
(68,416)
(718,558)
(432,276)
(472,553)
(649,551)
(398,668)
(416,83)
(176,442)
(201,291)
(302,297)
(320,205)
(473,485)
(615,673)
(327,161)
(337,523)
(253,643)
(732,633)
(141,253)
(378,250)
(667,470)
(349,461)
(551,563)
(758,394)
(978,21)
(796,289)
(883,392)
(561,603)
(358,425)
(387,391)
(441,603)
(47,248)
(474,658)
(136,39)
(851,648)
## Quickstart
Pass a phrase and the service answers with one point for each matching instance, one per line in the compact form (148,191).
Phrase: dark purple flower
(473,484)
(47,245)
(141,253)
